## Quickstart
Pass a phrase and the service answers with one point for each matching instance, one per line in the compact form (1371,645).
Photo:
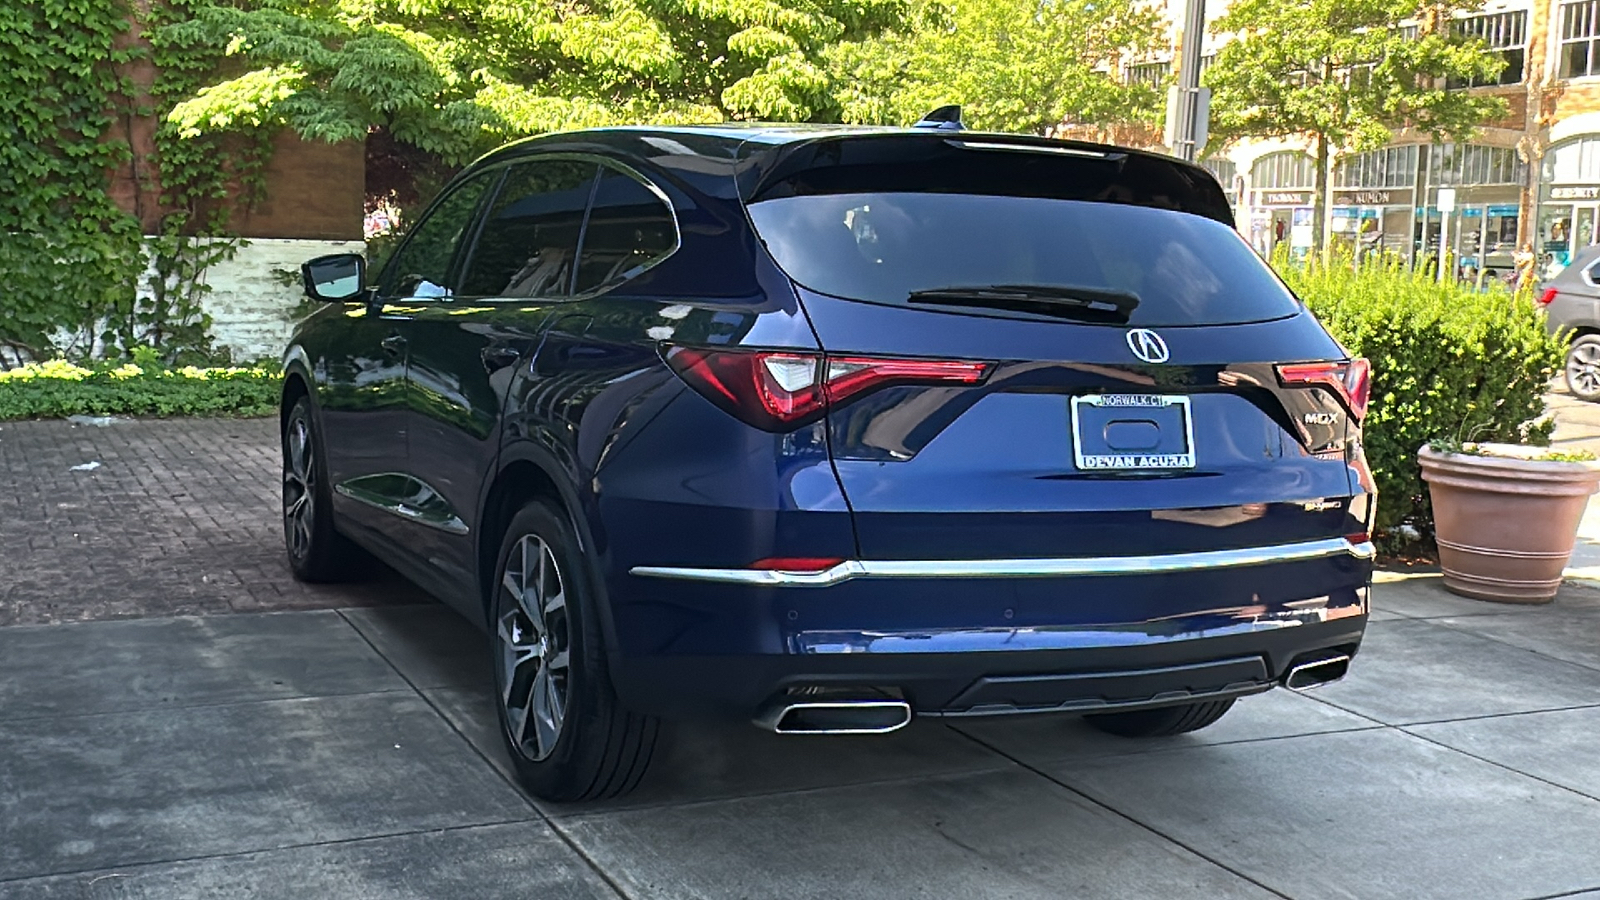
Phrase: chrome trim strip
(444,522)
(1021,568)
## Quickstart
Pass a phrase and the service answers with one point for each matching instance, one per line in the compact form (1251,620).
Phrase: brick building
(313,204)
(1530,179)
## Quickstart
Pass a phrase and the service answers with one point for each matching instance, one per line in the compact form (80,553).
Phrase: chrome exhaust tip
(1317,672)
(787,716)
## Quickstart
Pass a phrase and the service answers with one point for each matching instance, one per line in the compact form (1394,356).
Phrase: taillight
(1351,381)
(1548,297)
(780,390)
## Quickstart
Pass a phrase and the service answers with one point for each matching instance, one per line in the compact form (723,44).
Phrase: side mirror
(334,278)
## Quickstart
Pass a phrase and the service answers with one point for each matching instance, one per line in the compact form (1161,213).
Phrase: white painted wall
(250,305)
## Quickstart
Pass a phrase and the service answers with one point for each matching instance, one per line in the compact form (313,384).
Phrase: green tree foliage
(1013,65)
(1346,72)
(454,77)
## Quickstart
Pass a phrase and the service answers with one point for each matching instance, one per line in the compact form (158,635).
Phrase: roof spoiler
(945,118)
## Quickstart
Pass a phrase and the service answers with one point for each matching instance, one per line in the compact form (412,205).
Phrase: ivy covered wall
(114,228)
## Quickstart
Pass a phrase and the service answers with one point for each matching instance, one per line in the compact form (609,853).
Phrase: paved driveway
(162,741)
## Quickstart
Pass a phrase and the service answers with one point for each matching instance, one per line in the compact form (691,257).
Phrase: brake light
(1548,297)
(1351,381)
(780,390)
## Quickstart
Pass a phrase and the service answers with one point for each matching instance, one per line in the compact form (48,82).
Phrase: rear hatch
(1148,385)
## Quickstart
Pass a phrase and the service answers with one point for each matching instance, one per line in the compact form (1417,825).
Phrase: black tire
(1583,368)
(569,736)
(1163,721)
(318,553)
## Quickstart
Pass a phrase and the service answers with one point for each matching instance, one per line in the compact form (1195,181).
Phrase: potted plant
(1506,516)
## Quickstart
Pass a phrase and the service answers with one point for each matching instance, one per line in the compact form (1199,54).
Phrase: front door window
(422,267)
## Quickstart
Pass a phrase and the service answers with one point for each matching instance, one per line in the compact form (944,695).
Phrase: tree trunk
(1319,215)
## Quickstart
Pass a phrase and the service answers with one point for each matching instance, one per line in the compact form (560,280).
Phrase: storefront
(1477,215)
(1281,202)
(1569,202)
(1373,201)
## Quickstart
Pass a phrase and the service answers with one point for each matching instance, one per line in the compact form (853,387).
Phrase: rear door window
(630,229)
(903,247)
(529,241)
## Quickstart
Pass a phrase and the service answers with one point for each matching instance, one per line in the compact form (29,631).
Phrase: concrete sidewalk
(1577,429)
(179,719)
(353,754)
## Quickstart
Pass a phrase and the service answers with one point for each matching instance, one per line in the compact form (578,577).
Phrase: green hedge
(1447,362)
(59,388)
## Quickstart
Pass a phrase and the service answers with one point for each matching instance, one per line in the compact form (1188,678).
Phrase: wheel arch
(528,473)
(297,383)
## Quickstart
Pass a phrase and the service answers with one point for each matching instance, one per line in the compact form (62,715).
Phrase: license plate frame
(1132,462)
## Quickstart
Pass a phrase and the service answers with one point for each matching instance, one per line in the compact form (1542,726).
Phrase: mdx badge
(1319,418)
(1147,345)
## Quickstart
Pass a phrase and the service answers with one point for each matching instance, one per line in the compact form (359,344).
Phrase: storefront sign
(1372,198)
(1286,198)
(1586,192)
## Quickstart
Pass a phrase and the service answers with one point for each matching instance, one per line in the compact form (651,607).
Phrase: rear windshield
(907,246)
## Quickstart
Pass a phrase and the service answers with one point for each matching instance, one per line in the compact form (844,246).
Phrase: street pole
(1188,143)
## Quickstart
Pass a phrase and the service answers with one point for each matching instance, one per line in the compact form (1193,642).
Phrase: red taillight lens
(772,391)
(849,376)
(1546,298)
(780,390)
(1351,381)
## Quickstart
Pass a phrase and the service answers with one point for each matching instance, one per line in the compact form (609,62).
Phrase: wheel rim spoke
(299,483)
(534,655)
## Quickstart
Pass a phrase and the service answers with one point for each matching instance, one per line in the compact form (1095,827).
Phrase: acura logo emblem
(1147,345)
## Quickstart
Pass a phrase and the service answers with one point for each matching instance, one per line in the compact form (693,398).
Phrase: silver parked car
(1572,302)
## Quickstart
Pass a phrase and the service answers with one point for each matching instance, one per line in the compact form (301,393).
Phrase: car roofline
(748,139)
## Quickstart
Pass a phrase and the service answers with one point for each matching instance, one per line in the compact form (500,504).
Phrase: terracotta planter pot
(1506,523)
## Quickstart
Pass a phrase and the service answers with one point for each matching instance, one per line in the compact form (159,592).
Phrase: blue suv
(826,428)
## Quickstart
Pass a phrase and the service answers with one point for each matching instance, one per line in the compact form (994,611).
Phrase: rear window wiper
(1065,301)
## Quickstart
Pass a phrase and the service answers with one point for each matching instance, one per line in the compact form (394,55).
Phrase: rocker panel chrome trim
(1021,568)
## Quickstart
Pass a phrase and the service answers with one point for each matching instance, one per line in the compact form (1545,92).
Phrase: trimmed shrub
(1447,363)
(59,388)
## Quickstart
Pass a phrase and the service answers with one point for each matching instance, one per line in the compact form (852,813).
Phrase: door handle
(498,357)
(394,344)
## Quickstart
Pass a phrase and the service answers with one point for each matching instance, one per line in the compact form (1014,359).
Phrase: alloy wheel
(535,645)
(1583,367)
(299,487)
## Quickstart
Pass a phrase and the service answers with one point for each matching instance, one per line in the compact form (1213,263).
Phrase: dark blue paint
(653,474)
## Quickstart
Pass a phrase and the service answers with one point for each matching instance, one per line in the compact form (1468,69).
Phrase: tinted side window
(422,267)
(530,238)
(630,228)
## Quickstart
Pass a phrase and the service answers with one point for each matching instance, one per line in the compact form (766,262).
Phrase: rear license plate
(1132,431)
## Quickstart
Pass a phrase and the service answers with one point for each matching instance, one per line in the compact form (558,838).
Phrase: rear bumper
(1080,681)
(988,637)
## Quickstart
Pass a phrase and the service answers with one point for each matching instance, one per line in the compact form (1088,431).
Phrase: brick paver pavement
(180,517)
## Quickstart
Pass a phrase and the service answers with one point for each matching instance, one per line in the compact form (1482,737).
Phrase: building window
(1389,167)
(1580,38)
(1575,162)
(1475,164)
(1286,170)
(1505,33)
(1227,175)
(1150,74)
